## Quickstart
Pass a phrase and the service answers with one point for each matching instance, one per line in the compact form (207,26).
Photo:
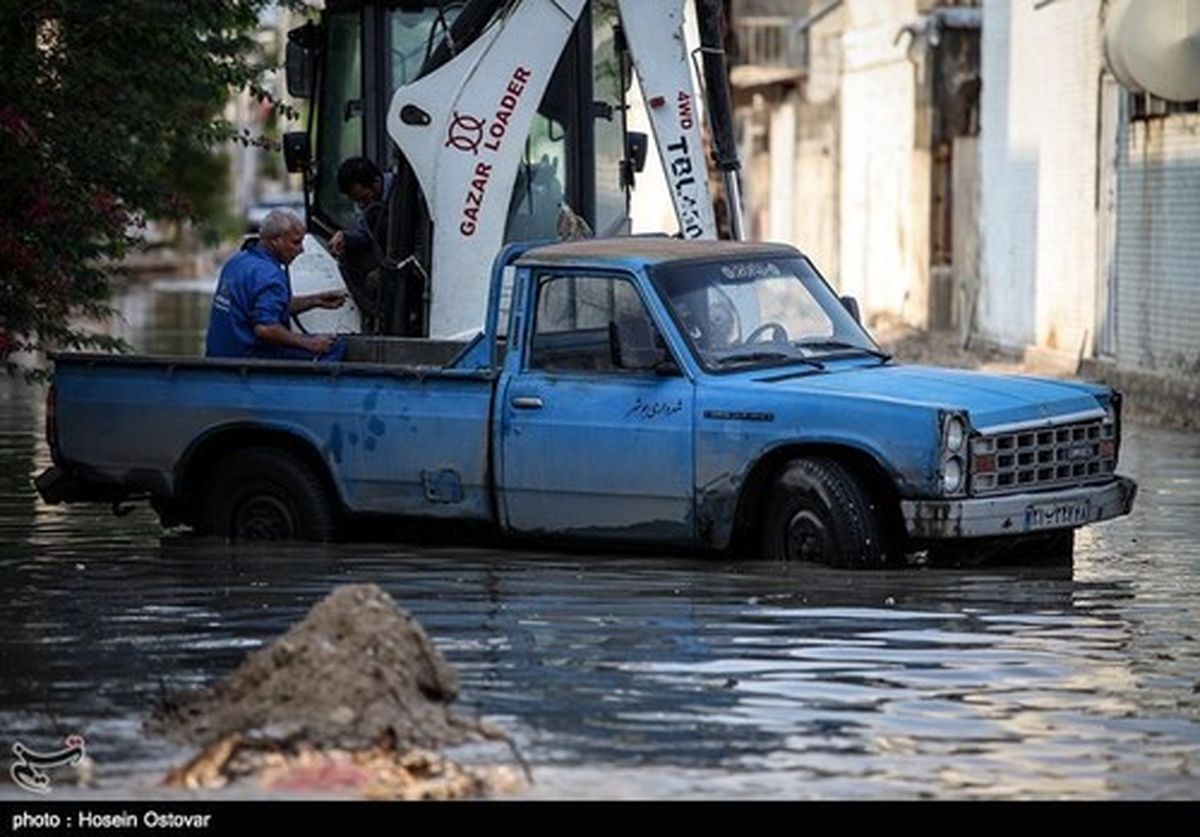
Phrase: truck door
(589,445)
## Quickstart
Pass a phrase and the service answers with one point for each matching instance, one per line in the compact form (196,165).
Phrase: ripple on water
(658,676)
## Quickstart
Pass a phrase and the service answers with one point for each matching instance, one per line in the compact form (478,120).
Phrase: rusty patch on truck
(444,486)
(333,445)
(371,402)
(716,506)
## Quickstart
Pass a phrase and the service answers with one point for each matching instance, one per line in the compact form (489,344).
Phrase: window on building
(1143,106)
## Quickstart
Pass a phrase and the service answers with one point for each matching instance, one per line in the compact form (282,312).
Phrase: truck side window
(571,332)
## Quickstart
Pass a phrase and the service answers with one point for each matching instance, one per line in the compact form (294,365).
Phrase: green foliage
(200,177)
(110,113)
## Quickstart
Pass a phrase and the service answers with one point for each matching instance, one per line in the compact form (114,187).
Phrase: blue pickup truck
(714,395)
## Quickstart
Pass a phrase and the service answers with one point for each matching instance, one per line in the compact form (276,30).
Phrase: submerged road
(650,676)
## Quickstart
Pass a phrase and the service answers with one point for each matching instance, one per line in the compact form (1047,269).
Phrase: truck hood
(989,399)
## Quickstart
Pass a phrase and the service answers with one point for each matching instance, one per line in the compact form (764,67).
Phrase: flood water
(643,676)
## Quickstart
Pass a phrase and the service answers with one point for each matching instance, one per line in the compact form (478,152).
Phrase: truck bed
(403,351)
(397,429)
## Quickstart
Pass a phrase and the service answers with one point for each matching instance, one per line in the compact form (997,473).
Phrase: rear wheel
(819,512)
(264,494)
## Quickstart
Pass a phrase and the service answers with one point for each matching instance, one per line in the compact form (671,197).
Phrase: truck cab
(723,394)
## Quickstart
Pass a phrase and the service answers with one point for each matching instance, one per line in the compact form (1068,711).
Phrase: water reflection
(924,682)
(646,675)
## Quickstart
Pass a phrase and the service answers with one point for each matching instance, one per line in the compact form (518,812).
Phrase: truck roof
(647,250)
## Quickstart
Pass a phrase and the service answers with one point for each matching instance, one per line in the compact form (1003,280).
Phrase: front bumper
(1018,514)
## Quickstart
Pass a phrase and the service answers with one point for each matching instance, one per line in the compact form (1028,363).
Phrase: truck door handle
(527,402)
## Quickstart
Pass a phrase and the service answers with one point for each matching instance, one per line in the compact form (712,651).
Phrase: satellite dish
(1153,46)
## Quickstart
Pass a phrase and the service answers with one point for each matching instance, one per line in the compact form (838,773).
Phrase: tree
(99,102)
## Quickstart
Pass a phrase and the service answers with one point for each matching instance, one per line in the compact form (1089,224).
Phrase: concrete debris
(353,698)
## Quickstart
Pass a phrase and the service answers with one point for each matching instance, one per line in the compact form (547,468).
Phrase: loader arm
(462,128)
(654,32)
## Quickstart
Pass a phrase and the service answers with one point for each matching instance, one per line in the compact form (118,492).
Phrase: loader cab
(349,64)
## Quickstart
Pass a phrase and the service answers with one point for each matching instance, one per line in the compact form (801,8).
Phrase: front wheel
(819,512)
(264,494)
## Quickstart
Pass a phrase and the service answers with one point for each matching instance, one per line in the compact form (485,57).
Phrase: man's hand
(323,299)
(318,344)
(337,244)
(330,299)
(275,333)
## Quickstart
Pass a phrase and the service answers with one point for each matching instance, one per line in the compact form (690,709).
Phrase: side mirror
(301,61)
(636,144)
(635,157)
(297,152)
(851,305)
(626,354)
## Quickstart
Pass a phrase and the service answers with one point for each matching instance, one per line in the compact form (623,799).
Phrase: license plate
(1057,515)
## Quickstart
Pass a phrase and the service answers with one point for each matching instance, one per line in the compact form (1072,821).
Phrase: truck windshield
(759,312)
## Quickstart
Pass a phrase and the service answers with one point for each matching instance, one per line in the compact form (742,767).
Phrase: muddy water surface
(623,675)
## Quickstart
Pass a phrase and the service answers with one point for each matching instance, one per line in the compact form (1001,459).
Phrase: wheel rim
(263,518)
(807,538)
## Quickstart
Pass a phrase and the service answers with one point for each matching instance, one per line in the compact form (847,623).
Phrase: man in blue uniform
(253,305)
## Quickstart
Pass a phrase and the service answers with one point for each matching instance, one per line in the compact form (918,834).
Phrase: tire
(818,511)
(258,494)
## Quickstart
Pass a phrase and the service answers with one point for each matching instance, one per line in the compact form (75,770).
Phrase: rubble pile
(355,698)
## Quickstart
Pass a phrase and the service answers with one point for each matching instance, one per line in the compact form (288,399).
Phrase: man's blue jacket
(253,290)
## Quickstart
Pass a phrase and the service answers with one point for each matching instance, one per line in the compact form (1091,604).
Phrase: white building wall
(783,171)
(882,259)
(1157,259)
(1041,69)
(817,171)
(817,174)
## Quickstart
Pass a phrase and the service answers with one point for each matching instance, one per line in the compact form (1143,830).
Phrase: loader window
(541,183)
(608,90)
(340,118)
(413,35)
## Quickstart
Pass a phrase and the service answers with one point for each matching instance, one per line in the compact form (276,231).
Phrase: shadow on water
(655,675)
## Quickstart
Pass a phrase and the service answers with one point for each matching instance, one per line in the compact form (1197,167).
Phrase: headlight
(952,475)
(1110,428)
(956,435)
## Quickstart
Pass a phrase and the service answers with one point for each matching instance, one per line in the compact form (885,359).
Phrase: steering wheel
(778,333)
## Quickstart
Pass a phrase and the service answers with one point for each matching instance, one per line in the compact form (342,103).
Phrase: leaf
(110,115)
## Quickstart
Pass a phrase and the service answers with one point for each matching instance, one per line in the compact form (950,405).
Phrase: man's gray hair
(279,222)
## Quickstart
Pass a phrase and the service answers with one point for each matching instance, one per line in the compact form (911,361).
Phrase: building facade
(976,166)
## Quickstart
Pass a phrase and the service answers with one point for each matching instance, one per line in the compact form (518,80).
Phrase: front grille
(1035,458)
